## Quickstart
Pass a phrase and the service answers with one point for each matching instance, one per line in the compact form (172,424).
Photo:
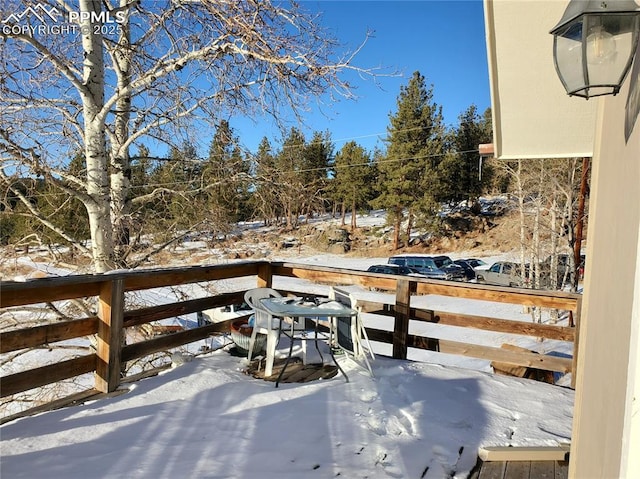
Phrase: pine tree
(177,176)
(415,140)
(459,172)
(225,179)
(141,167)
(289,164)
(316,162)
(352,179)
(265,192)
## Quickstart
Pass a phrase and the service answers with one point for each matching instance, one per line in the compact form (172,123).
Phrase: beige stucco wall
(605,429)
(532,115)
(631,434)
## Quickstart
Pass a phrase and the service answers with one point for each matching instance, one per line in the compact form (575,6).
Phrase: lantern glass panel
(608,48)
(568,56)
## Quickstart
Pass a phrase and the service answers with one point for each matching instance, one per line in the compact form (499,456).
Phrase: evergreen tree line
(423,165)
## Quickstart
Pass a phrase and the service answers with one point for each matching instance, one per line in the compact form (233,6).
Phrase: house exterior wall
(631,435)
(532,115)
(605,425)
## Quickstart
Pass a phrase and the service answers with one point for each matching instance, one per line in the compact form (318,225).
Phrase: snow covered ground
(206,419)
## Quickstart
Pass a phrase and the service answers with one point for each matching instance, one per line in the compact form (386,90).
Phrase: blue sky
(442,39)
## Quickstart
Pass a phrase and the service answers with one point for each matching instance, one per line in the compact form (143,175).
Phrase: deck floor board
(522,470)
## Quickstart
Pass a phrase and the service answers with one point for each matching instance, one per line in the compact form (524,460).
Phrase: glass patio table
(314,308)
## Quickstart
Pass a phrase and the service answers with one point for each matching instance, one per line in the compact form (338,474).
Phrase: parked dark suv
(446,264)
(435,267)
(393,269)
(469,272)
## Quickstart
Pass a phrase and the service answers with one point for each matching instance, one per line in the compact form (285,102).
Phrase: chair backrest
(350,332)
(342,297)
(263,321)
(253,296)
(346,328)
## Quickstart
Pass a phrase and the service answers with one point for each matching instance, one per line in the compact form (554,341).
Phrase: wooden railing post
(265,276)
(402,314)
(576,343)
(110,335)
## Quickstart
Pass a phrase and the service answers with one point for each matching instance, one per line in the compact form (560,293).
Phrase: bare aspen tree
(115,72)
(515,172)
(547,193)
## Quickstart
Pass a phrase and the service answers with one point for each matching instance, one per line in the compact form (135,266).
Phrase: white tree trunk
(95,146)
(553,279)
(120,160)
(520,190)
(535,256)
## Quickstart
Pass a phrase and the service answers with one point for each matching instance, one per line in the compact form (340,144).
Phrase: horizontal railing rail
(406,287)
(113,317)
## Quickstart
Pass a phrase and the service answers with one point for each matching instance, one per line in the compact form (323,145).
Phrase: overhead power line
(306,170)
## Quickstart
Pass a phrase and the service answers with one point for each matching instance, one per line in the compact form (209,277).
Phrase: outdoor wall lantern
(594,44)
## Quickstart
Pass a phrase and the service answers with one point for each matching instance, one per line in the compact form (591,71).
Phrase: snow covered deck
(416,417)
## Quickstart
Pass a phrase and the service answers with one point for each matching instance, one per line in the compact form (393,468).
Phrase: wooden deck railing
(113,317)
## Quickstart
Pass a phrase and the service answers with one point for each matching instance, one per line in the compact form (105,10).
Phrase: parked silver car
(502,273)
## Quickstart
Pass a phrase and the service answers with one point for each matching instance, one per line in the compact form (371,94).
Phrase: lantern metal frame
(612,19)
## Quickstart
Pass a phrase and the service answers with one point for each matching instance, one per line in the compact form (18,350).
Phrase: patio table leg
(338,366)
(272,341)
(286,362)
